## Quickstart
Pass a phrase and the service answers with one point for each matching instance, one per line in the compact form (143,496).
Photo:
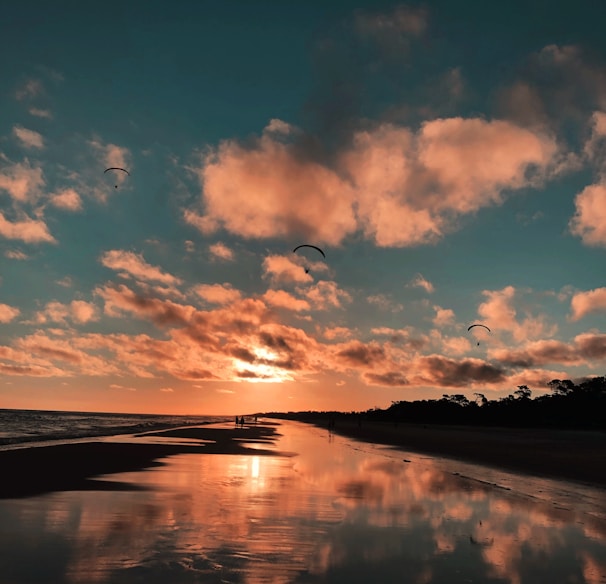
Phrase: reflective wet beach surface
(338,511)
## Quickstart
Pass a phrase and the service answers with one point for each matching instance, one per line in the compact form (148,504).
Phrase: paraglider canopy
(114,169)
(312,247)
(480,325)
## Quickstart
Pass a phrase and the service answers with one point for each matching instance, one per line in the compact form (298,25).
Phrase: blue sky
(449,160)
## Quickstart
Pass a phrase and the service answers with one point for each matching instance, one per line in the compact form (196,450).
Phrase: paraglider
(481,325)
(311,246)
(116,168)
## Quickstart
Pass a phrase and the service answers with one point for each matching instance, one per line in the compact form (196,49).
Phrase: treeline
(568,405)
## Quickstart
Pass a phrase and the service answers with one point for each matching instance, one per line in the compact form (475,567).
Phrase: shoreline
(571,455)
(38,470)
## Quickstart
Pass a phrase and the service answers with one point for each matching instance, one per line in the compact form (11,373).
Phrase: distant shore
(561,454)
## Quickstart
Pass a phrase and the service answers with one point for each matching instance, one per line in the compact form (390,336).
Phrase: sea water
(19,428)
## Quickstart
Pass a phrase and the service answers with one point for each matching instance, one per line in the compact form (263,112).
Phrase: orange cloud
(221,251)
(269,190)
(283,269)
(217,293)
(584,303)
(325,295)
(499,314)
(8,313)
(589,221)
(129,263)
(283,299)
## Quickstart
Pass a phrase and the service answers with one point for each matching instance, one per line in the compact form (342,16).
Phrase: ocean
(19,428)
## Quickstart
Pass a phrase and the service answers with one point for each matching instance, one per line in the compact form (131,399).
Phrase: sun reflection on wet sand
(339,511)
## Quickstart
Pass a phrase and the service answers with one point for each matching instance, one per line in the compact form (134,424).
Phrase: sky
(448,158)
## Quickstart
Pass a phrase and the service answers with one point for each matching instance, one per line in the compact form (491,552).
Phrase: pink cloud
(221,251)
(283,269)
(8,313)
(133,264)
(22,181)
(283,299)
(28,138)
(500,315)
(83,312)
(443,317)
(77,311)
(68,199)
(325,295)
(419,281)
(584,303)
(218,293)
(589,221)
(268,190)
(27,230)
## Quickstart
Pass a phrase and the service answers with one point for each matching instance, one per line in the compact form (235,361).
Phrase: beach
(564,454)
(285,502)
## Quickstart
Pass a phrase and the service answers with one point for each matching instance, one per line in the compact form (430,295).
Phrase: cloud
(133,264)
(218,293)
(419,281)
(15,254)
(392,31)
(499,314)
(167,389)
(78,311)
(383,302)
(221,252)
(22,181)
(399,187)
(28,138)
(584,303)
(269,190)
(190,246)
(29,89)
(116,386)
(165,313)
(27,230)
(40,113)
(8,313)
(65,282)
(325,295)
(436,370)
(283,299)
(589,221)
(281,269)
(335,332)
(443,317)
(68,199)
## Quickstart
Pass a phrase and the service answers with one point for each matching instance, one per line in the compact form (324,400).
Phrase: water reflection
(337,512)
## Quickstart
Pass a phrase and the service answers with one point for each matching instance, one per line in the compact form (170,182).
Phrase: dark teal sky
(448,157)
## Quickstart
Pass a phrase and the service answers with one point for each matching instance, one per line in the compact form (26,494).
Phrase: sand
(67,467)
(577,456)
(562,454)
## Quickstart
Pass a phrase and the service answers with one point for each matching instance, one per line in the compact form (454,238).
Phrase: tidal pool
(336,511)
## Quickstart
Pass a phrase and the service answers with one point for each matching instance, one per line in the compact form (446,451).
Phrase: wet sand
(69,467)
(561,454)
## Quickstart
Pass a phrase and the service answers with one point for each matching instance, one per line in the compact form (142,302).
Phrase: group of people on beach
(240,421)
